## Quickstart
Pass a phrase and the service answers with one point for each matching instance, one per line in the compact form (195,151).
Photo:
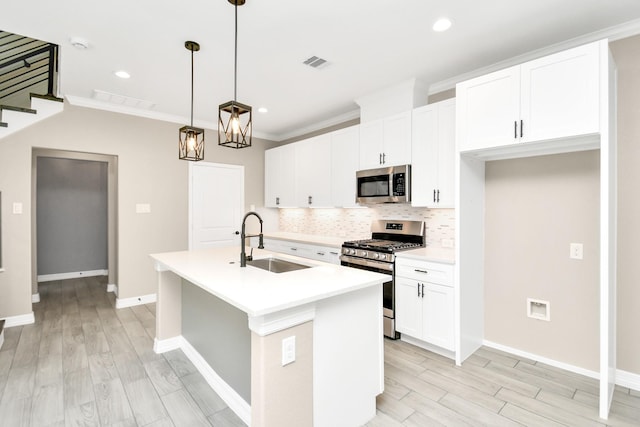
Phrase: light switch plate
(575,250)
(288,350)
(143,208)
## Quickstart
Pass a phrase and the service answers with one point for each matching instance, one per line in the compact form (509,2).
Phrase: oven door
(388,288)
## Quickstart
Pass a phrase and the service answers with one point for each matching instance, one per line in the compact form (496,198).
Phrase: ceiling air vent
(315,62)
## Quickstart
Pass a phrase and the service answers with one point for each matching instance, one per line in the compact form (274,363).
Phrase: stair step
(47,97)
(19,109)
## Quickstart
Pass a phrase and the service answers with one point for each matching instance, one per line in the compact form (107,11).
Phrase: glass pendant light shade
(234,125)
(191,139)
(234,119)
(191,143)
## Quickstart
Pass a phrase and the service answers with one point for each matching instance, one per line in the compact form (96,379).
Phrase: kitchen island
(242,327)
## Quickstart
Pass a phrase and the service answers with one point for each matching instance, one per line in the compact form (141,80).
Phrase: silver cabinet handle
(379,158)
(320,253)
(418,290)
(310,201)
(423,290)
(277,200)
(294,249)
(421,271)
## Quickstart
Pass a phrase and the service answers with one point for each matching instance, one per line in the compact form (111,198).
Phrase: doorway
(74,216)
(216,204)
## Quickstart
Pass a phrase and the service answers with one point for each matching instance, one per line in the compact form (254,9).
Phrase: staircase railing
(24,66)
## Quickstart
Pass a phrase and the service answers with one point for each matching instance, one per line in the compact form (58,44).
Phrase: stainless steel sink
(276,265)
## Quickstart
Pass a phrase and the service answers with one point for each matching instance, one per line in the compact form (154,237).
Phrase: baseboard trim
(226,393)
(71,275)
(623,378)
(427,346)
(23,319)
(35,298)
(111,287)
(130,302)
(162,346)
(628,379)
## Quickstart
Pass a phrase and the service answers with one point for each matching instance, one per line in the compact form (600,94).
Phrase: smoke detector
(79,43)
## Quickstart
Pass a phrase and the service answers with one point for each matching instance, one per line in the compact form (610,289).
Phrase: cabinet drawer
(425,271)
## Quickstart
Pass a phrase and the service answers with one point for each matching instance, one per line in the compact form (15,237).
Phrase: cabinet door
(560,94)
(438,315)
(344,164)
(397,140)
(408,307)
(313,172)
(279,171)
(424,153)
(371,144)
(487,110)
(445,192)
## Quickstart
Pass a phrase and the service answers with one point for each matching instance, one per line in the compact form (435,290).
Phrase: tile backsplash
(355,223)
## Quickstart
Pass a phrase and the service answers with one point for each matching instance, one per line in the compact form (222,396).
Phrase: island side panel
(168,308)
(282,395)
(220,333)
(348,355)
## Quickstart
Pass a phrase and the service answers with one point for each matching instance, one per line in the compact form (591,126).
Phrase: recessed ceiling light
(263,110)
(442,24)
(122,74)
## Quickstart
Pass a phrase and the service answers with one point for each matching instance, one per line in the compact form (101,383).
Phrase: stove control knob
(363,254)
(376,256)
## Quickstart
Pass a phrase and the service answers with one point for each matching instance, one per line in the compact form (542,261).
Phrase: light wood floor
(84,363)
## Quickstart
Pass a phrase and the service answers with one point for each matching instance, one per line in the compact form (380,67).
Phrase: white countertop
(429,253)
(334,242)
(259,292)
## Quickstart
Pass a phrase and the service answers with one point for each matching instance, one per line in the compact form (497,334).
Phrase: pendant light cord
(192,86)
(235,64)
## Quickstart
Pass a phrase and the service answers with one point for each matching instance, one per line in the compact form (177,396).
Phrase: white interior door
(216,204)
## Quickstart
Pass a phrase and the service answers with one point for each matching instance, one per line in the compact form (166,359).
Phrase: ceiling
(370,45)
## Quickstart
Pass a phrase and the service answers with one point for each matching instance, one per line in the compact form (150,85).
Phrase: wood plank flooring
(84,363)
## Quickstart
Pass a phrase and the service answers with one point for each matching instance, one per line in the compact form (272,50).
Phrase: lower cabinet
(304,250)
(425,301)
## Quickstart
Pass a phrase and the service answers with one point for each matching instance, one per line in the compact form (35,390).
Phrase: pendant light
(234,118)
(191,139)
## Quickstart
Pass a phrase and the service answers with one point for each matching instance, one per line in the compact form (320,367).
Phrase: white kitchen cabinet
(304,250)
(345,148)
(279,176)
(313,172)
(386,142)
(425,303)
(433,149)
(554,97)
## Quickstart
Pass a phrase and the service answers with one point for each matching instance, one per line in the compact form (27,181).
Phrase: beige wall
(627,56)
(149,172)
(536,207)
(574,314)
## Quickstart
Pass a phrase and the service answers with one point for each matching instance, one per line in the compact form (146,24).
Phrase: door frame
(192,166)
(112,211)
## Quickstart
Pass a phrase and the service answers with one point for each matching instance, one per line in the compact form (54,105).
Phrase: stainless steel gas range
(378,254)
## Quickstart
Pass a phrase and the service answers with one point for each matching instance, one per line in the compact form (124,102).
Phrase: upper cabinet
(386,142)
(344,164)
(433,147)
(313,172)
(279,176)
(553,97)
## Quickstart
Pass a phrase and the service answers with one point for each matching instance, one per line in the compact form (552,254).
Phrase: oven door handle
(386,266)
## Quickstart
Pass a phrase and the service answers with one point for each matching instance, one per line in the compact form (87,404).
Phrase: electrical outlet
(575,250)
(288,350)
(17,208)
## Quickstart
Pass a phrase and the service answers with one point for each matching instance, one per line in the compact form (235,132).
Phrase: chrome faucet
(243,237)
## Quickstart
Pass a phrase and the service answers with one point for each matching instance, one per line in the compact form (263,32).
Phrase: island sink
(276,265)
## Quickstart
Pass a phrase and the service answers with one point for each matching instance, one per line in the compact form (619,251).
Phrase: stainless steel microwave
(384,185)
